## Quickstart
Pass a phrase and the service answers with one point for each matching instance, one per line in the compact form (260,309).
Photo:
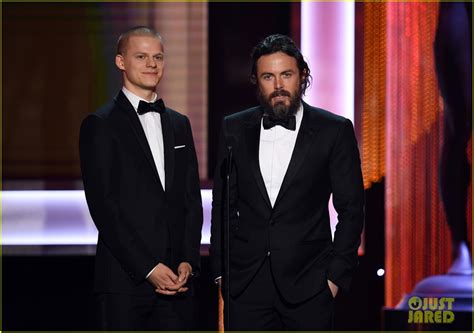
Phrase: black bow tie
(288,123)
(156,106)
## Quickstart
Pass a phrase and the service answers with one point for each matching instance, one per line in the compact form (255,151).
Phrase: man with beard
(287,159)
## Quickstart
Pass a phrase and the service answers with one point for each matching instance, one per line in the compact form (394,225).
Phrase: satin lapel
(168,146)
(253,142)
(132,116)
(304,140)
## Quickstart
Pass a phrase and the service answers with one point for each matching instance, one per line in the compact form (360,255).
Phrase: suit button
(272,222)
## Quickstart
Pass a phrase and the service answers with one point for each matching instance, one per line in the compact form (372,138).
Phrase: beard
(279,110)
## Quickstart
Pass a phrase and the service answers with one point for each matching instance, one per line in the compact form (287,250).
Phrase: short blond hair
(136,31)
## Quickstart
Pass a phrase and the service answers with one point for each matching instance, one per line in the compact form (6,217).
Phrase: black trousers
(261,307)
(142,313)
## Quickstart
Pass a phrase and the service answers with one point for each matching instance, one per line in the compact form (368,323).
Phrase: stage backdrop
(59,65)
(417,235)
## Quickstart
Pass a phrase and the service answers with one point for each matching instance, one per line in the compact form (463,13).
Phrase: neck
(146,94)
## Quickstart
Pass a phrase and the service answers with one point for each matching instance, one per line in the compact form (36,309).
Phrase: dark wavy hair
(281,43)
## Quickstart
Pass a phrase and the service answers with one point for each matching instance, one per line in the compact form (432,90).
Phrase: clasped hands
(166,282)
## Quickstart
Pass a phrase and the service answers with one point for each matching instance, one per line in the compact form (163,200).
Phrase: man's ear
(119,62)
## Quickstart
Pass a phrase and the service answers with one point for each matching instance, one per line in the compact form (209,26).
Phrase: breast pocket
(180,153)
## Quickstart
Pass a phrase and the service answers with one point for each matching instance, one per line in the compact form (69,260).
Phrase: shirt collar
(299,113)
(135,100)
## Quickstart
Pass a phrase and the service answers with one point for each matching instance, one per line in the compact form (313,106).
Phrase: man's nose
(278,83)
(151,62)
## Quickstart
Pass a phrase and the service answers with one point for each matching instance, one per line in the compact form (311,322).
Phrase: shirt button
(268,253)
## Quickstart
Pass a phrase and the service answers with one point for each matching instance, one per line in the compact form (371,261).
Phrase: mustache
(279,93)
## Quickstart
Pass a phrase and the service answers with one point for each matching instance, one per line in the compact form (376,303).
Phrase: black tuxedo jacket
(139,223)
(295,234)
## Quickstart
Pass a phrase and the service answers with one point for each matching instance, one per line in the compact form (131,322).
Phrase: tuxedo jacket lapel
(168,146)
(132,116)
(252,138)
(304,140)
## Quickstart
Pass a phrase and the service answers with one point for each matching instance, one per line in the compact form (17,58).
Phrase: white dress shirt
(276,148)
(151,123)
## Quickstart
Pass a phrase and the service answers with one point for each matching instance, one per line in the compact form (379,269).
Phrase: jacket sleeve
(348,199)
(99,165)
(193,206)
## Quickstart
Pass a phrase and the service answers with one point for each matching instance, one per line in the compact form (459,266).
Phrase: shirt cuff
(150,272)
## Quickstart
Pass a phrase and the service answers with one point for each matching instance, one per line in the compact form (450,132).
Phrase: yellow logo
(430,310)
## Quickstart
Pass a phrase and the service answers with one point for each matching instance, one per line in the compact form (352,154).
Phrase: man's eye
(140,56)
(287,75)
(267,77)
(159,57)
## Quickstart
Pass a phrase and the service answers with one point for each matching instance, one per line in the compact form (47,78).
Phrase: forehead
(276,62)
(144,44)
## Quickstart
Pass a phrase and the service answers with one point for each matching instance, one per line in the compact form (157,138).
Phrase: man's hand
(334,289)
(164,280)
(184,272)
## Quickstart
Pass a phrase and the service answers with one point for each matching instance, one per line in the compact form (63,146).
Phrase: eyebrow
(140,52)
(282,72)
